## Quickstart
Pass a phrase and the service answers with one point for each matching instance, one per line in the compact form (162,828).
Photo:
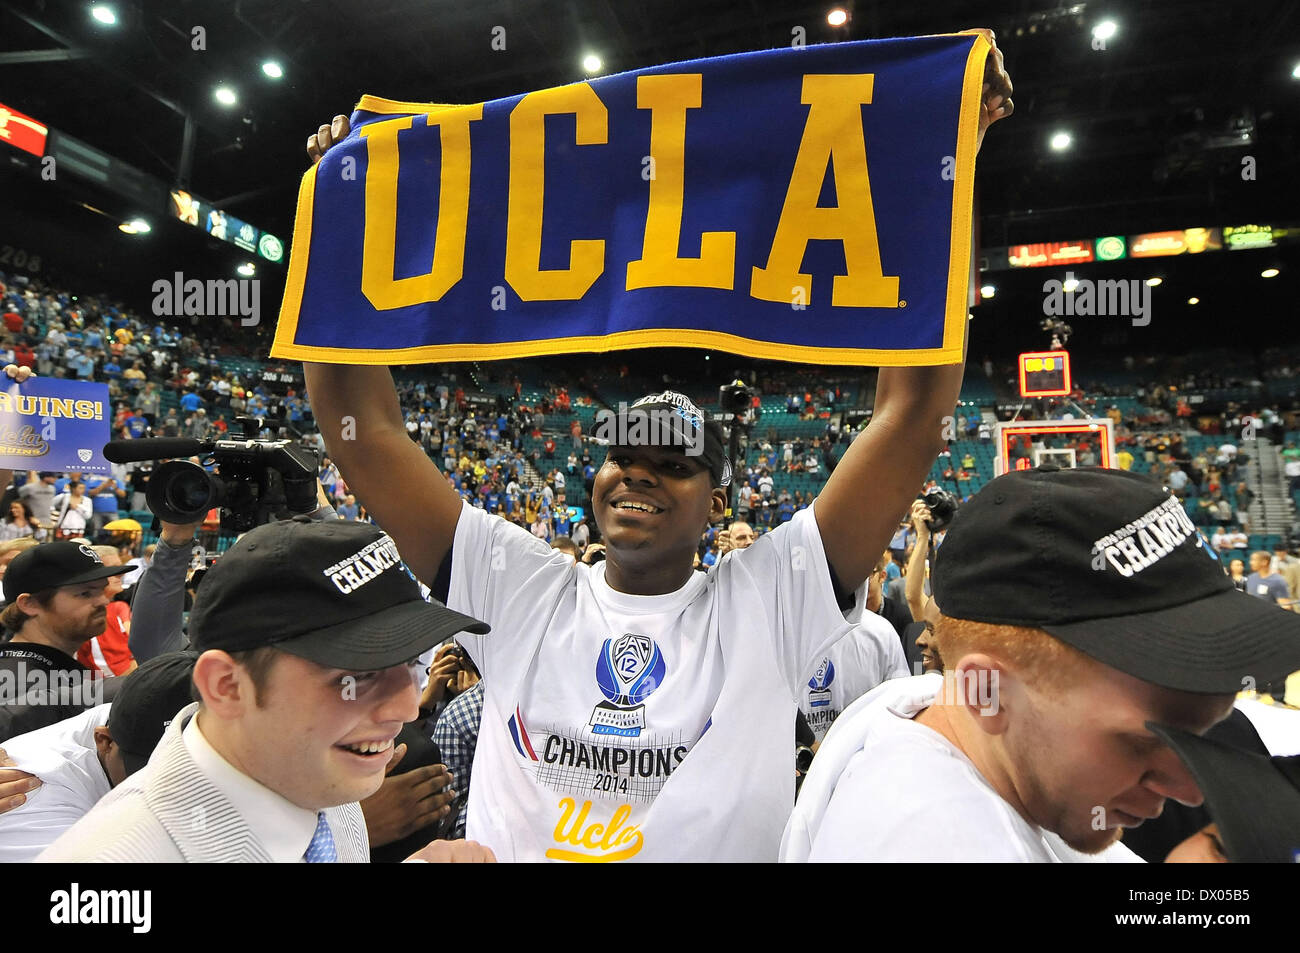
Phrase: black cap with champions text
(1109,562)
(333,592)
(668,419)
(53,565)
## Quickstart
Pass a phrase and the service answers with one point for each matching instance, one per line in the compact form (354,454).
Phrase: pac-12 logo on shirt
(628,669)
(819,693)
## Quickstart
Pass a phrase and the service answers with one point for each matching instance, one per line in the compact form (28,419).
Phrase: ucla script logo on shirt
(628,669)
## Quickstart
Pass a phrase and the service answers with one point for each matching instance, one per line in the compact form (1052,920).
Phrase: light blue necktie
(321,849)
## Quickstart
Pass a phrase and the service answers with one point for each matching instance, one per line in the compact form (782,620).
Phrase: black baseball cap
(686,428)
(1254,799)
(51,565)
(1108,562)
(334,592)
(146,704)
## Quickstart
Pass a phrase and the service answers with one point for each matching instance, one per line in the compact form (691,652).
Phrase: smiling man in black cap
(57,601)
(308,635)
(1077,606)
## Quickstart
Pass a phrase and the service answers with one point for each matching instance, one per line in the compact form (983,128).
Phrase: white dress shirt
(283,828)
(64,757)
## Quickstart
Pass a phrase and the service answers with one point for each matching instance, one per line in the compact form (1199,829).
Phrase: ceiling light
(104,14)
(1104,30)
(137,226)
(272,69)
(837,17)
(1295,73)
(1154,282)
(1061,141)
(1069,284)
(1269,273)
(591,63)
(987,291)
(225,95)
(247,269)
(1193,300)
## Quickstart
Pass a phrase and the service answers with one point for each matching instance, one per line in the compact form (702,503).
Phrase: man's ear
(28,604)
(718,505)
(103,741)
(224,685)
(980,684)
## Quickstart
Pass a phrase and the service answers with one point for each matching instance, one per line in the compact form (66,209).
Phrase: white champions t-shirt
(620,727)
(884,788)
(853,666)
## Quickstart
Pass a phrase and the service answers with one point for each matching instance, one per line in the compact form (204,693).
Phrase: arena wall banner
(805,204)
(49,424)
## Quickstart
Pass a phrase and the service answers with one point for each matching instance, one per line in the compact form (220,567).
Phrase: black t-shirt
(40,685)
(896,613)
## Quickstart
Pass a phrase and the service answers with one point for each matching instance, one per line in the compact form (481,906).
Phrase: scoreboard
(1044,374)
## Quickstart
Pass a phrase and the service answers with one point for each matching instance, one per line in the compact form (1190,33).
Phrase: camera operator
(916,580)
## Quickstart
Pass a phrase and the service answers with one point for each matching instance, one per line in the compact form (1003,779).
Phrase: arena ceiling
(1161,119)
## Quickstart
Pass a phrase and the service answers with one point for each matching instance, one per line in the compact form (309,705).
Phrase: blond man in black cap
(1077,607)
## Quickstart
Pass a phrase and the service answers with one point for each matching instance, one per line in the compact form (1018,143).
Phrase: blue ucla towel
(805,204)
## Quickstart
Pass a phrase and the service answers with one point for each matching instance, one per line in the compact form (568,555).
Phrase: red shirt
(14,322)
(109,652)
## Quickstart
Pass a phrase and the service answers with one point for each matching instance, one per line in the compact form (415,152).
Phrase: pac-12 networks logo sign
(628,669)
(819,686)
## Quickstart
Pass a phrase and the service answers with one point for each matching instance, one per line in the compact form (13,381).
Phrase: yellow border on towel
(954,316)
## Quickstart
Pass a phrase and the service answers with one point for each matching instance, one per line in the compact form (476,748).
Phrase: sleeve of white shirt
(870,654)
(787,569)
(67,791)
(502,575)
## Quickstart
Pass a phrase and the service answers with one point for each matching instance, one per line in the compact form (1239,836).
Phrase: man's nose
(1170,778)
(638,471)
(400,701)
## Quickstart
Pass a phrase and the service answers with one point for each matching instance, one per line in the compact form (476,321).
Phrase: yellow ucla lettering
(379,249)
(668,98)
(596,837)
(833,132)
(526,195)
(84,409)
